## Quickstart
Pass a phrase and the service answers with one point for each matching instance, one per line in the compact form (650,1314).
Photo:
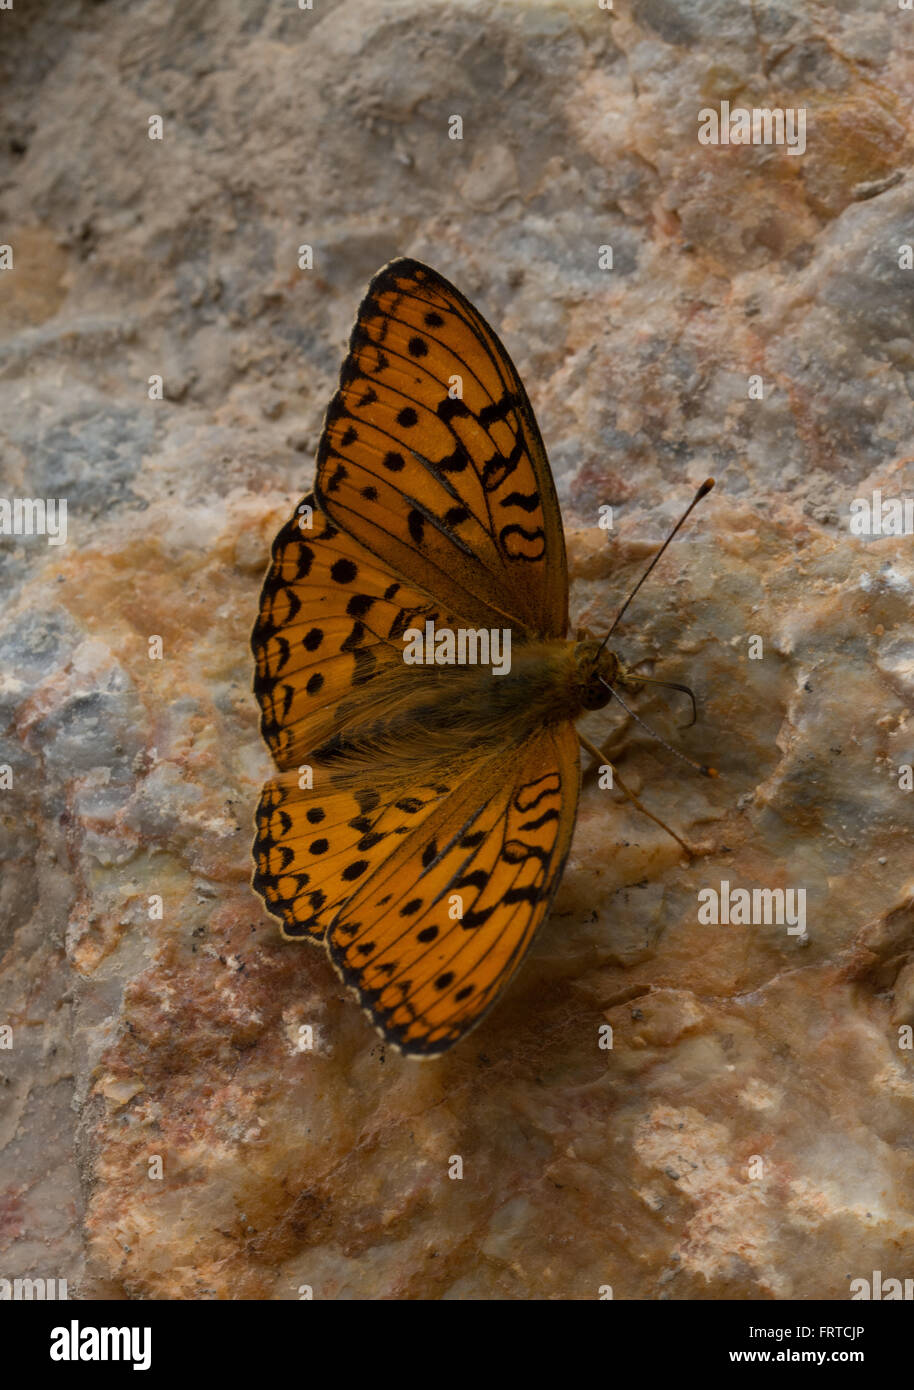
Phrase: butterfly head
(597,668)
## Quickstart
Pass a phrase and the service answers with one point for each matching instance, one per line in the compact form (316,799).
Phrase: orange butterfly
(422,813)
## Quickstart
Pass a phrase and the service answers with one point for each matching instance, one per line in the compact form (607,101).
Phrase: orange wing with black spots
(431,457)
(424,862)
(316,844)
(431,937)
(427,901)
(331,621)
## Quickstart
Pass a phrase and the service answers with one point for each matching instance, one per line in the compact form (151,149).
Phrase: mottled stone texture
(749,1134)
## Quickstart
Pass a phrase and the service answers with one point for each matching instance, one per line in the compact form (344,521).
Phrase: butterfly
(422,812)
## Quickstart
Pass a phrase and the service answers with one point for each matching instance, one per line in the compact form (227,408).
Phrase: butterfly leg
(600,757)
(620,738)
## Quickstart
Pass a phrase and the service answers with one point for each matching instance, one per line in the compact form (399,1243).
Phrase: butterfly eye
(596,695)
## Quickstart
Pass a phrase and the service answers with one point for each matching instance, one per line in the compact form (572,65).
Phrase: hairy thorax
(421,713)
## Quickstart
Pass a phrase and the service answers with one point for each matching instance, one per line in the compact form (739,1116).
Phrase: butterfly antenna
(699,767)
(702,492)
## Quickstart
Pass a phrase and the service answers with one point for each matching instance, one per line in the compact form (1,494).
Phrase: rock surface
(749,1133)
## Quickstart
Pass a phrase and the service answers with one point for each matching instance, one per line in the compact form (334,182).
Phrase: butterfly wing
(428,876)
(431,936)
(331,621)
(431,457)
(316,844)
(329,659)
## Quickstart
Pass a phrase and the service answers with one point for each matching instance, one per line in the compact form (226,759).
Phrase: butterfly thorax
(451,712)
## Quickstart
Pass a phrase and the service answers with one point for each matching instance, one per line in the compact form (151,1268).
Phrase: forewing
(331,619)
(431,457)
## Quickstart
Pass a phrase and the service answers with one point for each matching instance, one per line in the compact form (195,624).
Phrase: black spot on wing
(476,917)
(343,571)
(355,870)
(451,408)
(544,819)
(359,605)
(477,879)
(528,502)
(497,410)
